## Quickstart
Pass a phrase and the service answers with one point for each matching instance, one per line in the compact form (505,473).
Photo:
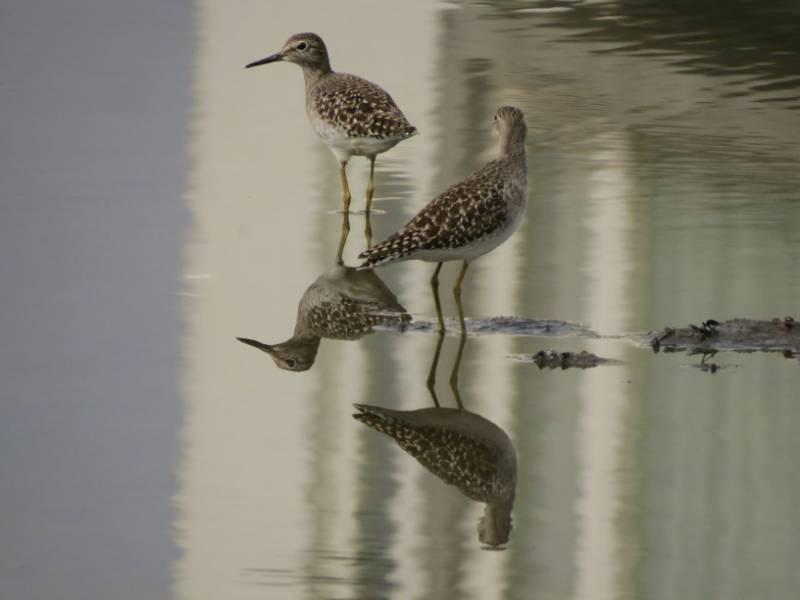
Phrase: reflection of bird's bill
(256,344)
(265,61)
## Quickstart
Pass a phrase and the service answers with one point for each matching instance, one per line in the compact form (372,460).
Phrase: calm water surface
(664,166)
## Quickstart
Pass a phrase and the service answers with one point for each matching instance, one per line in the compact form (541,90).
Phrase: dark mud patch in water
(736,335)
(514,326)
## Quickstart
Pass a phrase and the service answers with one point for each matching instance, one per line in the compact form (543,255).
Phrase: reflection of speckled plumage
(459,447)
(342,304)
(462,449)
(471,217)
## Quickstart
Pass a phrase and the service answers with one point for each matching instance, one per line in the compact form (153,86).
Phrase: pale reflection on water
(665,167)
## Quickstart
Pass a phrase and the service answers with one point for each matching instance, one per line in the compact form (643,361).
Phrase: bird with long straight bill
(353,116)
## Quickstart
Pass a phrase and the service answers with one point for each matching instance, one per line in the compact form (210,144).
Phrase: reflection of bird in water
(342,304)
(462,449)
(469,219)
(352,115)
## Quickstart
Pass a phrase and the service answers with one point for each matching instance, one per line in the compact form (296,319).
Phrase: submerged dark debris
(552,359)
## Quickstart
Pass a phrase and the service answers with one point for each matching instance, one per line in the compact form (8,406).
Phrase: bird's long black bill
(256,344)
(265,61)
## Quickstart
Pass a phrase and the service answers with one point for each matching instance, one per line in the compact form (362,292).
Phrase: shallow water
(147,453)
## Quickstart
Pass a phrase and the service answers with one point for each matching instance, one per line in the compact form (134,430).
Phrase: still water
(664,168)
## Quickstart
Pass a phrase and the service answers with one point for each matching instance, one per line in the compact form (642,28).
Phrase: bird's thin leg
(345,187)
(435,288)
(434,365)
(371,182)
(456,367)
(343,237)
(370,191)
(457,295)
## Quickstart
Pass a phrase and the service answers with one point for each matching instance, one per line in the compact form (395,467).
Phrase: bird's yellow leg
(457,295)
(435,288)
(370,183)
(345,187)
(370,191)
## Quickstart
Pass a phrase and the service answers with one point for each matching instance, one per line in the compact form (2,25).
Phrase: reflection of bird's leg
(706,355)
(432,373)
(457,295)
(435,288)
(343,238)
(345,187)
(456,367)
(368,230)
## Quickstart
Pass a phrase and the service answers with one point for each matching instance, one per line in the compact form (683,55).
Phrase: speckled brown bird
(353,116)
(471,217)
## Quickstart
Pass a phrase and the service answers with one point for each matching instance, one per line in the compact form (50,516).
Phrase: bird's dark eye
(302,46)
(291,363)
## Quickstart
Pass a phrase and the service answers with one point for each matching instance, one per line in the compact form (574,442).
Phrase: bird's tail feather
(392,249)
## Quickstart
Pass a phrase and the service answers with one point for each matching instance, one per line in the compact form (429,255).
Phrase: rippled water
(664,166)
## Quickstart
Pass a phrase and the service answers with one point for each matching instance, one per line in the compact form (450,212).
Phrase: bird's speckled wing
(358,107)
(464,214)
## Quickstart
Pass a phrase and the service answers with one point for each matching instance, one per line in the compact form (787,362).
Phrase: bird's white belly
(343,147)
(474,249)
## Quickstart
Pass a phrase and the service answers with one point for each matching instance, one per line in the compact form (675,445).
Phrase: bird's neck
(303,332)
(313,73)
(303,343)
(512,144)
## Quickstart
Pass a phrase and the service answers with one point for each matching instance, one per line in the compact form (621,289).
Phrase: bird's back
(472,216)
(356,108)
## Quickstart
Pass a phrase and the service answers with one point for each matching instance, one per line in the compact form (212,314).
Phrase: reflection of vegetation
(707,36)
